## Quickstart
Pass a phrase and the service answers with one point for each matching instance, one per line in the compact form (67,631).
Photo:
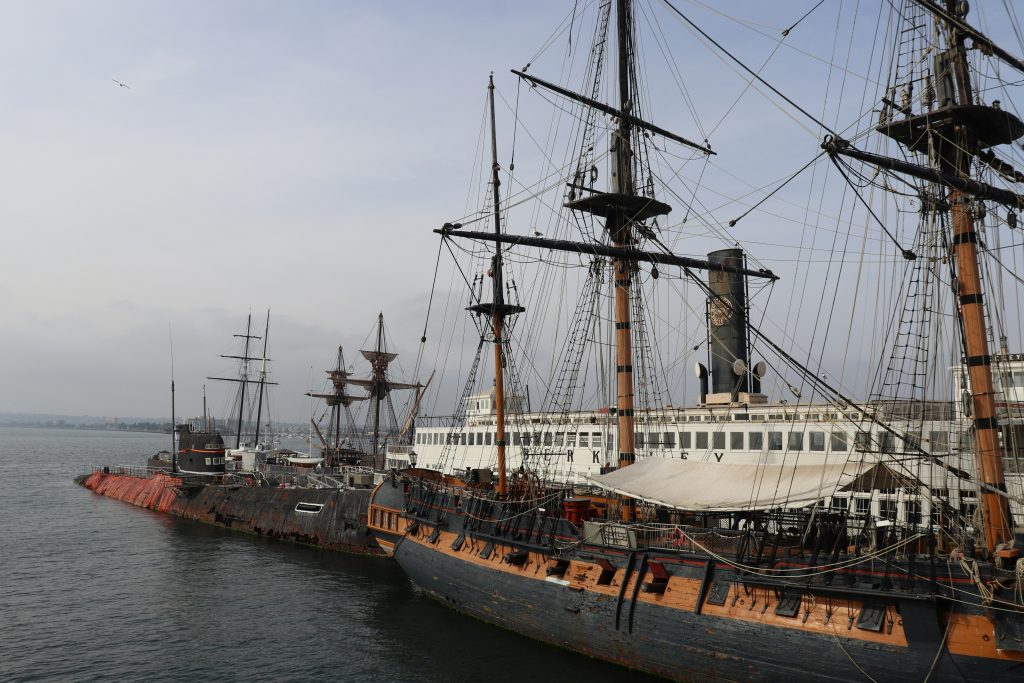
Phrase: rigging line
(797,22)
(745,67)
(430,301)
(907,253)
(768,196)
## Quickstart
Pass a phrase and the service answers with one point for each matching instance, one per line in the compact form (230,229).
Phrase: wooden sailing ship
(345,443)
(695,569)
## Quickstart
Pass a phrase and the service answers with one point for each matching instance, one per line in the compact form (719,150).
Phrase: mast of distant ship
(263,379)
(379,386)
(245,378)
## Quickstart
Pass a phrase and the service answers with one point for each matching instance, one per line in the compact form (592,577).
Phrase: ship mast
(245,380)
(620,229)
(378,387)
(497,314)
(972,312)
(263,379)
(952,135)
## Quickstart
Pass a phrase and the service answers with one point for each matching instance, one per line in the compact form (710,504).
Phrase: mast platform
(633,207)
(989,126)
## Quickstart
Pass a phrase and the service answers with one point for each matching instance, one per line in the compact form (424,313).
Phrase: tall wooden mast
(497,309)
(619,228)
(972,309)
(952,134)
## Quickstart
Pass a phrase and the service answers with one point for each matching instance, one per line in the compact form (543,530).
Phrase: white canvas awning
(714,486)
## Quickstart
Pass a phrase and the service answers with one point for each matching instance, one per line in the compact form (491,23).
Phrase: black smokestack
(727,324)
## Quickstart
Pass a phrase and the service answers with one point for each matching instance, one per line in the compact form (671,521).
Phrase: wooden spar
(497,311)
(972,314)
(604,250)
(621,114)
(963,184)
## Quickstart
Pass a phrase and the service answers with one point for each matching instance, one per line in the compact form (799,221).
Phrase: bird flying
(123,85)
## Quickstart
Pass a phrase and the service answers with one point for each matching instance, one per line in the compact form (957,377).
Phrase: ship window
(887,509)
(839,441)
(517,439)
(208,462)
(718,440)
(940,493)
(702,439)
(863,506)
(796,441)
(887,441)
(775,441)
(862,441)
(912,442)
(912,512)
(967,510)
(817,441)
(310,508)
(488,438)
(684,440)
(757,418)
(736,441)
(669,439)
(741,417)
(583,439)
(570,440)
(547,438)
(840,503)
(559,438)
(638,439)
(595,438)
(756,441)
(939,441)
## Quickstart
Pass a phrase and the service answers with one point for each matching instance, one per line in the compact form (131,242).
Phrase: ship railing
(323,481)
(657,536)
(128,470)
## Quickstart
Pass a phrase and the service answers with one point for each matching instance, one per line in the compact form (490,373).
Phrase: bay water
(94,589)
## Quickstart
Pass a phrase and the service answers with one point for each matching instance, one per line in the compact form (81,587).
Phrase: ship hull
(334,520)
(680,644)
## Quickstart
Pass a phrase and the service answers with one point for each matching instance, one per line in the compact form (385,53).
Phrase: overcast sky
(283,155)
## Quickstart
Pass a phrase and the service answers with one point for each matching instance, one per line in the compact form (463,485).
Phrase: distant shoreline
(143,429)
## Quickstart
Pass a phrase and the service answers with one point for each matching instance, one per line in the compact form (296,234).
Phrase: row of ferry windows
(737,441)
(214,461)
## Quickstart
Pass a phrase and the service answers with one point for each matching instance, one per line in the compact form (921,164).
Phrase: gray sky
(295,156)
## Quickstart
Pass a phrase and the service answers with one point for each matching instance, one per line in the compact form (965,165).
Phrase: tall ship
(761,533)
(316,499)
(343,441)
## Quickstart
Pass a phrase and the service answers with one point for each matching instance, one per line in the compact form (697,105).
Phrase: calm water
(91,589)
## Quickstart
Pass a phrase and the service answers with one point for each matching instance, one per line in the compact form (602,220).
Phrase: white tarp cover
(714,486)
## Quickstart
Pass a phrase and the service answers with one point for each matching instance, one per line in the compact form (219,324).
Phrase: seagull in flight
(123,85)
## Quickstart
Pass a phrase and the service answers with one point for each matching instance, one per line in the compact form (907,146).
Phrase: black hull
(335,520)
(673,643)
